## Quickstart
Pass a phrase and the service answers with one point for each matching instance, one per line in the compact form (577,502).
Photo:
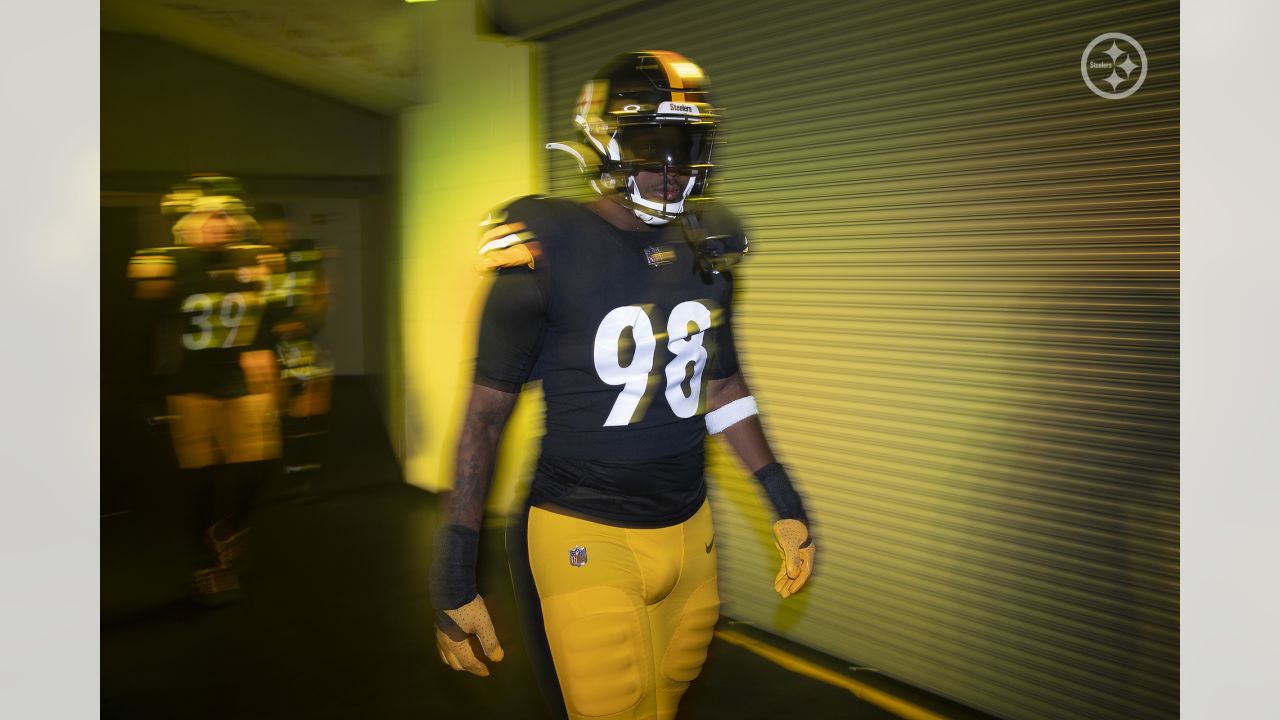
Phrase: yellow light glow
(452,174)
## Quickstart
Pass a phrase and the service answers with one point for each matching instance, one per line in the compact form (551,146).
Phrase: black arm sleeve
(725,362)
(453,567)
(511,330)
(781,493)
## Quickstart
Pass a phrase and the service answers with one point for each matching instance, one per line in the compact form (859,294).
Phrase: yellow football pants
(209,431)
(629,613)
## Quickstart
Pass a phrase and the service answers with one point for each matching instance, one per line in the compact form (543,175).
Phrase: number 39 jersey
(620,326)
(216,310)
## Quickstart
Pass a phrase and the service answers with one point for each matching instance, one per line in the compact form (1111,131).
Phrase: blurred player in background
(219,371)
(300,289)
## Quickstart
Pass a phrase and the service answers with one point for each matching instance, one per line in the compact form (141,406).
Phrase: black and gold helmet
(192,200)
(645,110)
(181,198)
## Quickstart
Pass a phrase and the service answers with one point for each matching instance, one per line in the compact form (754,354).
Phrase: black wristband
(782,494)
(453,567)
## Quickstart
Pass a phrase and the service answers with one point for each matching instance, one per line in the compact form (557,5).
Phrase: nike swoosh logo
(710,544)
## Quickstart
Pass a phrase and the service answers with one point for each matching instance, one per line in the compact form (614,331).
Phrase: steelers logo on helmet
(646,112)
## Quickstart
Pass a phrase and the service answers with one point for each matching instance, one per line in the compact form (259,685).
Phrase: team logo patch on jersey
(659,256)
(577,556)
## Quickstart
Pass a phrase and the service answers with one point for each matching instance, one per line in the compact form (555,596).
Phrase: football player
(623,308)
(221,380)
(300,290)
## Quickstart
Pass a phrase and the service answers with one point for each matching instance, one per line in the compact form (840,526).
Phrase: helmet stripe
(668,61)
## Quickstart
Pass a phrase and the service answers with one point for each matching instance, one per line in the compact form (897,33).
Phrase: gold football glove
(454,629)
(791,537)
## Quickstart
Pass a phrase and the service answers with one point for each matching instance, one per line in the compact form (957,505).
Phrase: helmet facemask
(677,152)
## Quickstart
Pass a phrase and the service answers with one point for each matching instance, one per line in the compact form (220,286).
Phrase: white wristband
(721,418)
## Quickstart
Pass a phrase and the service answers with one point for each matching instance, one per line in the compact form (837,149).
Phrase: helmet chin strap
(667,211)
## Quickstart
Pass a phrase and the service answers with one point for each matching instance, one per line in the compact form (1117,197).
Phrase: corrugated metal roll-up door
(960,318)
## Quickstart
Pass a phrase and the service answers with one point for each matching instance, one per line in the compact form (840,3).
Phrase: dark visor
(675,145)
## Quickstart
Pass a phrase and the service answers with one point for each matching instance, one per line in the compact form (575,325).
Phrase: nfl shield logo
(577,556)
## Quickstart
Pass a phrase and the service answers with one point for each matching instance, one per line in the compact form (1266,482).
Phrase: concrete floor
(335,622)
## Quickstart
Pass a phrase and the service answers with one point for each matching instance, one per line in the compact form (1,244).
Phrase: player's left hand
(453,637)
(791,537)
(261,373)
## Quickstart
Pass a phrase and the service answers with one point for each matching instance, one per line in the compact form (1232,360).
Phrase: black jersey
(624,332)
(293,290)
(218,304)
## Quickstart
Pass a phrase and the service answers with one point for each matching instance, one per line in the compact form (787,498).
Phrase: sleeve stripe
(506,242)
(508,257)
(501,230)
(143,267)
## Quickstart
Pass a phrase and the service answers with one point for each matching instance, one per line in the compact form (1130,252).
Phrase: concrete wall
(166,109)
(464,152)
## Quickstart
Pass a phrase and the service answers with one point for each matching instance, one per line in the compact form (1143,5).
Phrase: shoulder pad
(152,264)
(252,254)
(718,237)
(273,259)
(508,237)
(718,219)
(303,251)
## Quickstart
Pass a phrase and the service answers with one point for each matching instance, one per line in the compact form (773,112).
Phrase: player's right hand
(454,629)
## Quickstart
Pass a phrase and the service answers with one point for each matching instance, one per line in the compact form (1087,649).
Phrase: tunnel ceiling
(363,53)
